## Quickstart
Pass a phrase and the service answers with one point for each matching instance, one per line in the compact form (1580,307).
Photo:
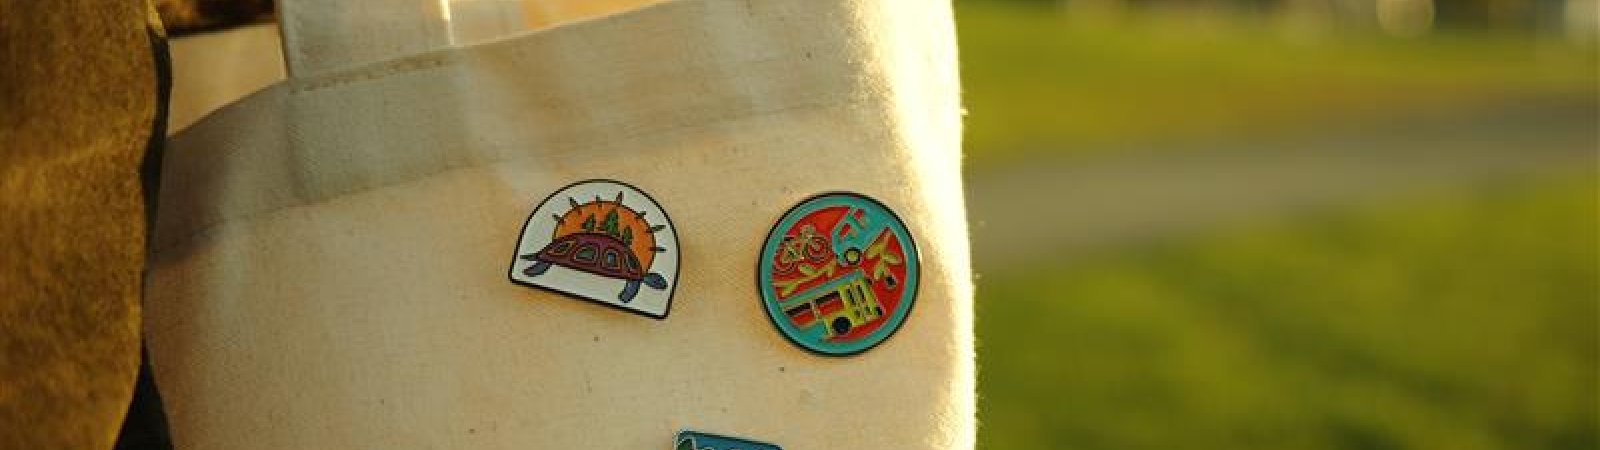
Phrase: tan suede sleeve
(79,102)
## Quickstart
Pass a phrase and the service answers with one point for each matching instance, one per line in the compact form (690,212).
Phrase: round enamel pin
(603,241)
(838,274)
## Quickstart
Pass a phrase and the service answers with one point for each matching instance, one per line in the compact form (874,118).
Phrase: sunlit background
(1239,224)
(1231,224)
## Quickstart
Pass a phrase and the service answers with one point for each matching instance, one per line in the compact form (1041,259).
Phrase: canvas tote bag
(329,263)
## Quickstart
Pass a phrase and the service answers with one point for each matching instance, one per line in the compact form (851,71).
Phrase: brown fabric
(80,92)
(186,17)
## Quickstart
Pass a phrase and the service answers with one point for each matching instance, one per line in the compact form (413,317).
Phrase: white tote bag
(344,259)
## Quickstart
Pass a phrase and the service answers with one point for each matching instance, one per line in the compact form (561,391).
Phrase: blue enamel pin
(694,440)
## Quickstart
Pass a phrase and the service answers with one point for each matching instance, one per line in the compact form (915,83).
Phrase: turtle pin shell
(594,253)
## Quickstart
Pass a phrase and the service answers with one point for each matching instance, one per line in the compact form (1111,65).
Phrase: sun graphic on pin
(605,238)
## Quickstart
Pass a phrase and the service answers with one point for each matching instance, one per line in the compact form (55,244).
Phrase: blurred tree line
(1536,16)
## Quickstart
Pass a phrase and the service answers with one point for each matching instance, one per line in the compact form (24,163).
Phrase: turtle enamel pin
(603,241)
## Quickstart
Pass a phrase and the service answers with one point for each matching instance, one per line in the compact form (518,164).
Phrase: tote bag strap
(324,35)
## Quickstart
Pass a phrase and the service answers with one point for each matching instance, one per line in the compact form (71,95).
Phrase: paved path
(1070,208)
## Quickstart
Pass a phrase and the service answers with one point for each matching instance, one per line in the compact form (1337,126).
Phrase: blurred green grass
(1040,82)
(1459,319)
(1453,321)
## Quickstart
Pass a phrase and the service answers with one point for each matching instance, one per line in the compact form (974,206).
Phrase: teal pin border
(719,440)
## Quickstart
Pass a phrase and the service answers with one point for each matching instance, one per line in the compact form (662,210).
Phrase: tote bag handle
(324,35)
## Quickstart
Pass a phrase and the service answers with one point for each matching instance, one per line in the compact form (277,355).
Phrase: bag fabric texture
(330,254)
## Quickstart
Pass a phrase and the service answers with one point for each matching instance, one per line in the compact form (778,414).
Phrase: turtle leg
(655,280)
(628,291)
(536,269)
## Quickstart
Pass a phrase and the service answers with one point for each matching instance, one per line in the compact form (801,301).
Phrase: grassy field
(1462,321)
(1457,320)
(1039,82)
